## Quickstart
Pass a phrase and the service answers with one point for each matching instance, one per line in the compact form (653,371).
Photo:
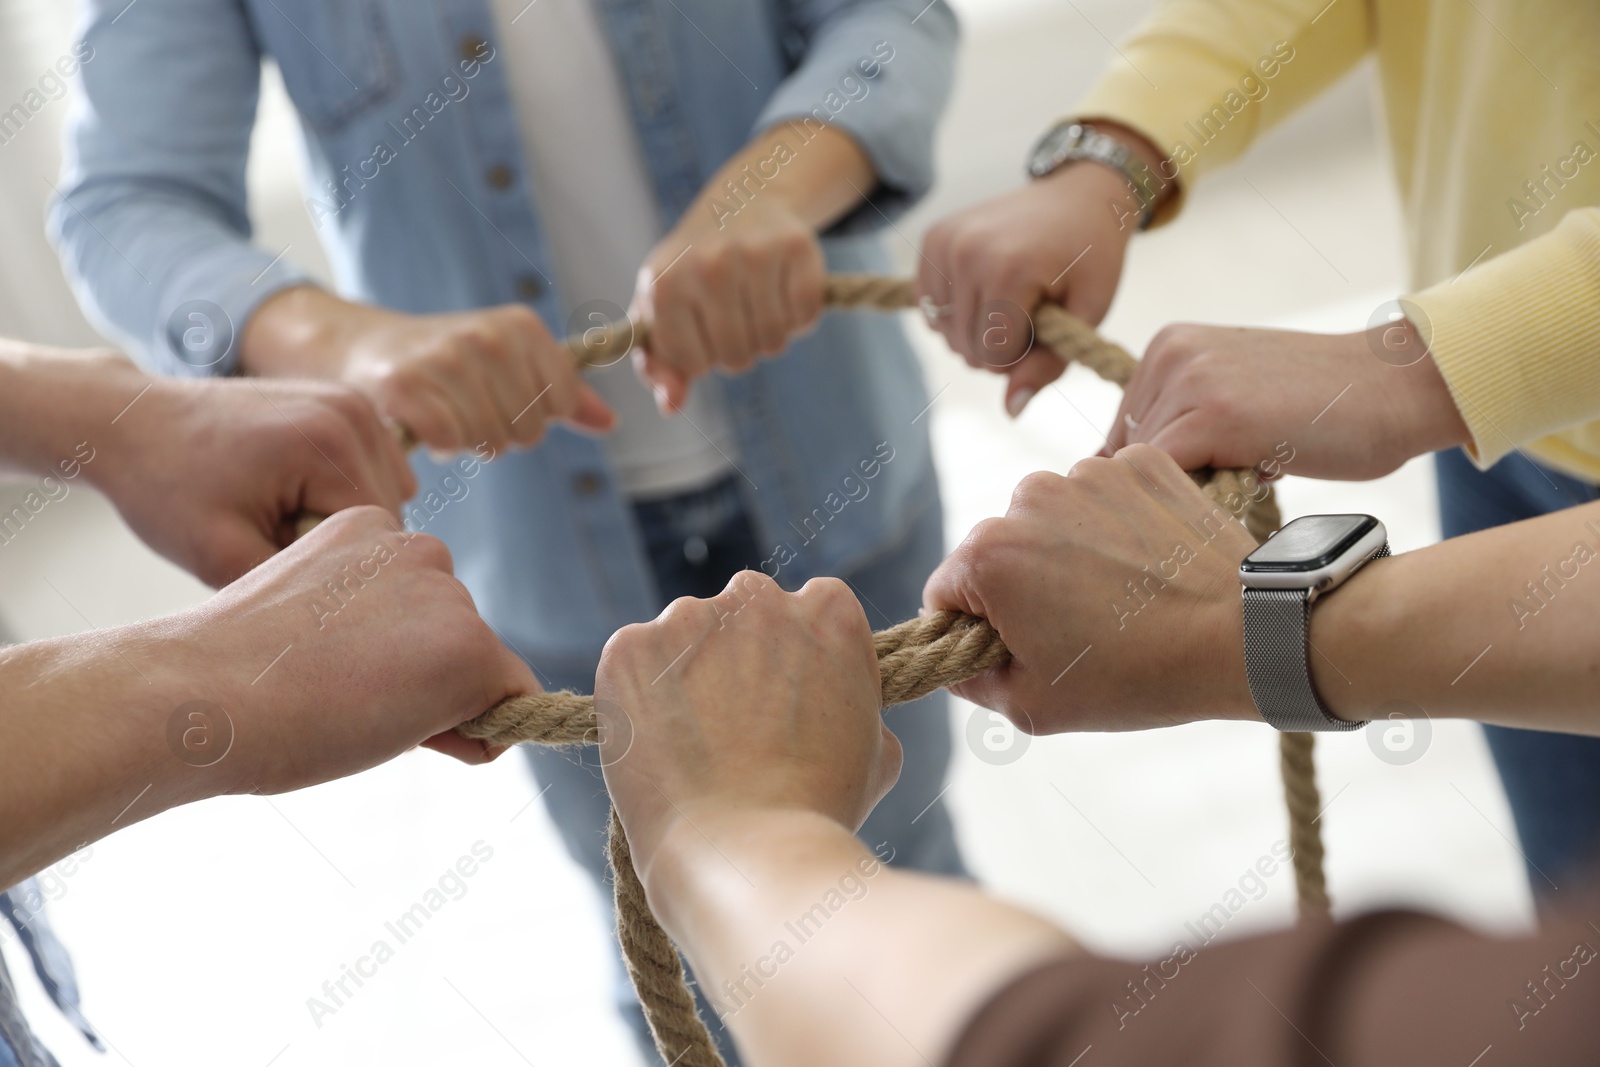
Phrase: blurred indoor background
(200,935)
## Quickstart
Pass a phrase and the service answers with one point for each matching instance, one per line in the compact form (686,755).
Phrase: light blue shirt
(419,193)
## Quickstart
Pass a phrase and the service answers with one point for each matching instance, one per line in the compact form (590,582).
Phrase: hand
(366,646)
(1116,589)
(1325,404)
(723,289)
(755,699)
(1061,238)
(493,376)
(214,474)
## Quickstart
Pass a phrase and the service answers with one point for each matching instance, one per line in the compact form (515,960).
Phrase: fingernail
(1019,400)
(660,392)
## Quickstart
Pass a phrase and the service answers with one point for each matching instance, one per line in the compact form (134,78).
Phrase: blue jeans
(1551,780)
(695,543)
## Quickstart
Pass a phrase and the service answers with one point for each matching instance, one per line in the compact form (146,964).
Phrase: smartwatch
(1068,141)
(1282,579)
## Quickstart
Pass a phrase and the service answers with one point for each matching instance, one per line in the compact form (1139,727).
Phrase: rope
(915,658)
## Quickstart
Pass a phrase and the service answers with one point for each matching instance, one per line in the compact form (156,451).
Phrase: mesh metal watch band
(1277,623)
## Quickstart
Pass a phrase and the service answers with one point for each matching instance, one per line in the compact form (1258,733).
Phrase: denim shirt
(416,184)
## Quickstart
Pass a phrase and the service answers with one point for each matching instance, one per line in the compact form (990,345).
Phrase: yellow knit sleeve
(1203,78)
(1517,338)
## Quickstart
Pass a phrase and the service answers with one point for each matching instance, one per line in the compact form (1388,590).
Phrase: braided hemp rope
(915,658)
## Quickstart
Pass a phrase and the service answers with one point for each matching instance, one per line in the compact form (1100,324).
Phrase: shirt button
(587,483)
(499,176)
(529,287)
(473,48)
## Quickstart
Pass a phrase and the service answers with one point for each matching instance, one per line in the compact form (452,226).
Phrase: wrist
(299,332)
(1141,179)
(709,847)
(1350,630)
(1427,419)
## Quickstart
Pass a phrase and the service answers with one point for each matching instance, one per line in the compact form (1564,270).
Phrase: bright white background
(199,935)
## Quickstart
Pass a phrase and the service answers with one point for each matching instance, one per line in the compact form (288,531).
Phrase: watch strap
(1277,660)
(1081,141)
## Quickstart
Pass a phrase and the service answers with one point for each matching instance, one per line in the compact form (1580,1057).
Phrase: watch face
(1308,544)
(1049,152)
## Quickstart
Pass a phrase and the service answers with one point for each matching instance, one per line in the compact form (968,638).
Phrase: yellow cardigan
(1493,115)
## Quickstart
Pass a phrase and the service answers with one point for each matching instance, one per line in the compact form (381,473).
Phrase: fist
(983,271)
(366,646)
(1116,589)
(756,698)
(721,291)
(214,474)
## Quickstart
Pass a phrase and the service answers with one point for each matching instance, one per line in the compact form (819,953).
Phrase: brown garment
(1390,988)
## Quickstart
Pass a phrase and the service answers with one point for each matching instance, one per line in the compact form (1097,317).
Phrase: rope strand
(915,658)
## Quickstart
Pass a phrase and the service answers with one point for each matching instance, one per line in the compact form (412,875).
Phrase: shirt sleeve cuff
(887,92)
(212,299)
(1516,338)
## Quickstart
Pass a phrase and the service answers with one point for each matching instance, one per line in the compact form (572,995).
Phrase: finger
(933,271)
(466,749)
(1143,391)
(891,758)
(679,349)
(510,371)
(960,320)
(771,314)
(987,690)
(1036,370)
(380,448)
(1117,436)
(1087,294)
(748,346)
(952,585)
(485,413)
(430,419)
(724,321)
(804,280)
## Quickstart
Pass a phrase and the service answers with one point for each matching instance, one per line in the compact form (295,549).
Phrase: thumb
(592,413)
(1185,439)
(1033,372)
(669,387)
(228,549)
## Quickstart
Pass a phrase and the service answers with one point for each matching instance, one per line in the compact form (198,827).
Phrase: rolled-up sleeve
(881,71)
(1387,988)
(151,216)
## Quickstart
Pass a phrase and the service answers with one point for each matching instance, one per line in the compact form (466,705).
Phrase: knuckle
(1173,340)
(1093,470)
(968,253)
(1142,454)
(986,535)
(428,550)
(1038,486)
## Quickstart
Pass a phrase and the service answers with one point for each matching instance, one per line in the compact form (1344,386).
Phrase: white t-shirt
(600,219)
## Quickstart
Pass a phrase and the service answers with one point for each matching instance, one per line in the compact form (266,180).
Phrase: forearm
(85,740)
(820,179)
(59,409)
(1499,626)
(788,919)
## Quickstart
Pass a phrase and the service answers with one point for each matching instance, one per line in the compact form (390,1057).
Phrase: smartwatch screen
(1308,543)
